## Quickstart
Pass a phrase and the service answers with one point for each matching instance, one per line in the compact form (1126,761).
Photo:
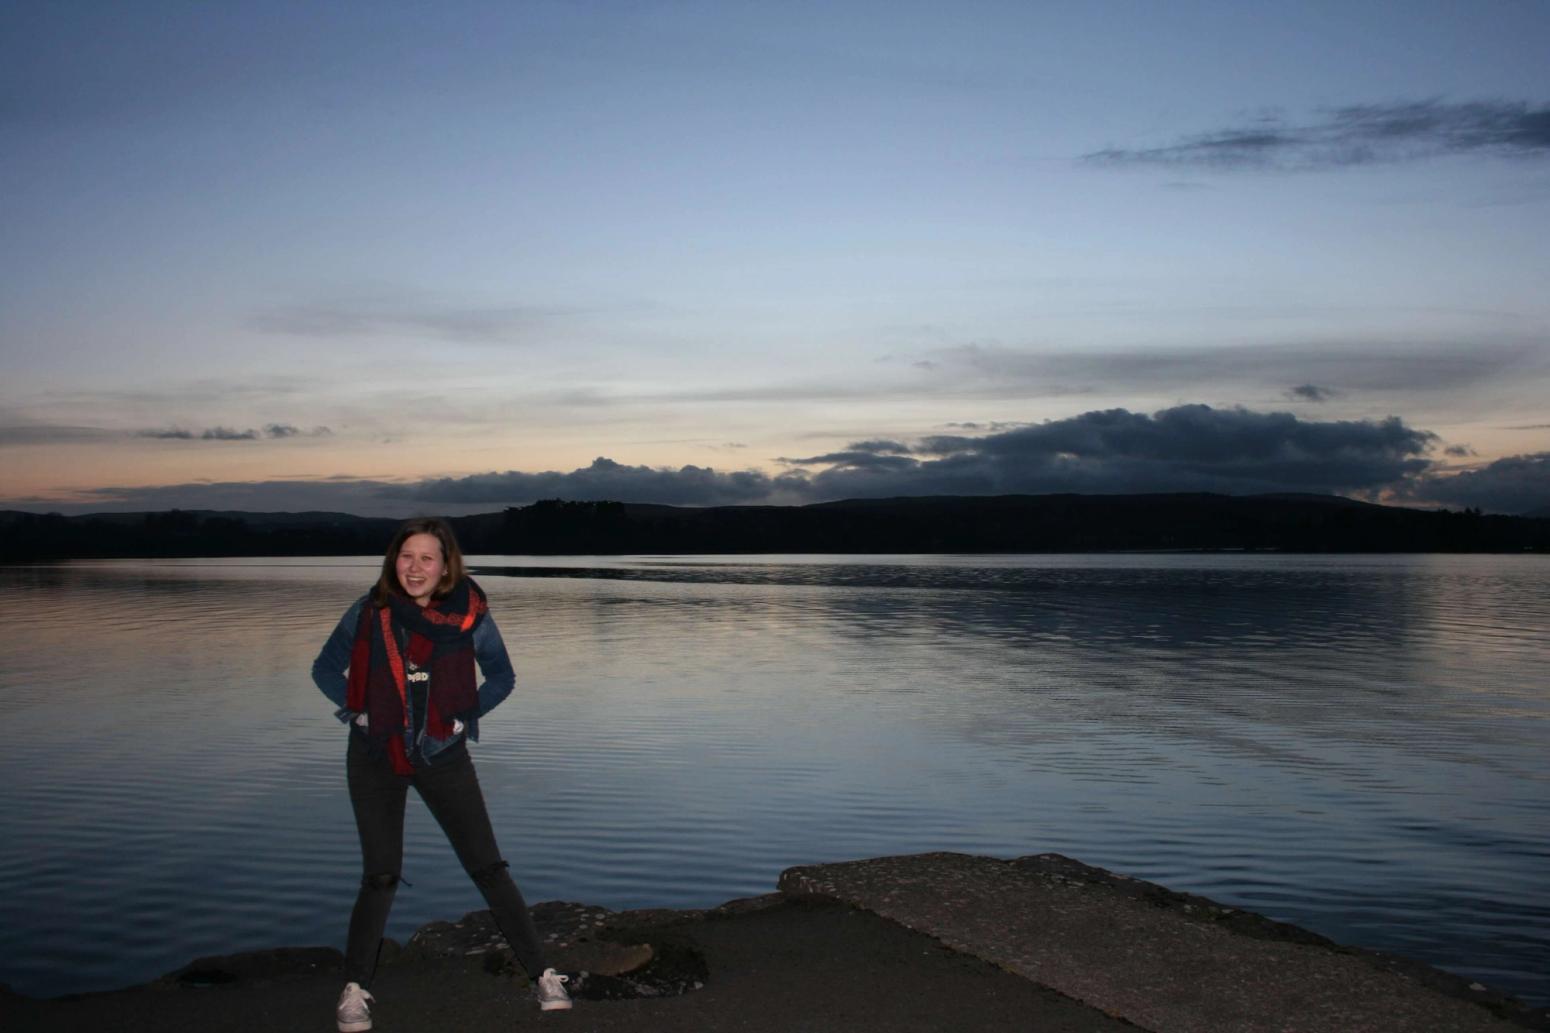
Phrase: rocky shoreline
(927,941)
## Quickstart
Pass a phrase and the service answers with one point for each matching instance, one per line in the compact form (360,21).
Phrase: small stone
(607,959)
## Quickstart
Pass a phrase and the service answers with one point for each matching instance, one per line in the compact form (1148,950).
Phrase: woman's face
(420,566)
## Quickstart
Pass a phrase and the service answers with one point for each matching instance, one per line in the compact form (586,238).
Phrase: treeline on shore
(1002,523)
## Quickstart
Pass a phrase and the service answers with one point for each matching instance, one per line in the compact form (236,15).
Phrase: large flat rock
(1167,966)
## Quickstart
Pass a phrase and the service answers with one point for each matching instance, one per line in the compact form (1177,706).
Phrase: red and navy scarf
(440,641)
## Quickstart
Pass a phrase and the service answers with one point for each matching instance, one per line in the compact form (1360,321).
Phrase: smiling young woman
(400,668)
(422,568)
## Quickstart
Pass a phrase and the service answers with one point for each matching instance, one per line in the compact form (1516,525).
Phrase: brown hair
(387,585)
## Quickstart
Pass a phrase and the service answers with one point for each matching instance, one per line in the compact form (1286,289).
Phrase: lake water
(1354,744)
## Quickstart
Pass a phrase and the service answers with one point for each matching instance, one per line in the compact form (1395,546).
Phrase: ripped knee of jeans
(490,875)
(382,882)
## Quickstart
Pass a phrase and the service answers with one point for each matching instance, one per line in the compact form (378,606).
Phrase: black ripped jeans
(451,792)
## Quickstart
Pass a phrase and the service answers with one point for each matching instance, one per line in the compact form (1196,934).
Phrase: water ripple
(1355,744)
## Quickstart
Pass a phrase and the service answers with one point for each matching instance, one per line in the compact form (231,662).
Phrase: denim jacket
(328,671)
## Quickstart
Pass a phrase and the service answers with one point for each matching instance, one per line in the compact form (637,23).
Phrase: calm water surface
(1353,744)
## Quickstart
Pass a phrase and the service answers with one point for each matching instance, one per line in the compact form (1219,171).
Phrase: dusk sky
(394,258)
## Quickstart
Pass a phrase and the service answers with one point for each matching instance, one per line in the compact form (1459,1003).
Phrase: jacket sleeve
(494,664)
(328,670)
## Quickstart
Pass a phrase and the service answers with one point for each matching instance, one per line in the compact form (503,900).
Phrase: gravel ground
(784,968)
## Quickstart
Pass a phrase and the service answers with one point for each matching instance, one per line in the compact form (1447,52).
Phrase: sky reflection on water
(1352,744)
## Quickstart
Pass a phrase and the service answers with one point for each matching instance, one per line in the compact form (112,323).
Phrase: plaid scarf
(440,642)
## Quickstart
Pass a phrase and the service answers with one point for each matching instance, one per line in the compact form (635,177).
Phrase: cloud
(1327,369)
(252,392)
(1337,367)
(1360,134)
(1516,484)
(1312,393)
(1185,448)
(51,434)
(603,479)
(342,494)
(992,425)
(503,325)
(286,430)
(271,430)
(1114,451)
(606,479)
(881,445)
(857,457)
(788,391)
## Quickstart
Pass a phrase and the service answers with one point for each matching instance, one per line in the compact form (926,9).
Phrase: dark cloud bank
(1188,448)
(606,479)
(1517,484)
(1185,448)
(1359,134)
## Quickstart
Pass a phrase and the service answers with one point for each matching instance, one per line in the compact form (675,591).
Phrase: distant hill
(999,523)
(27,536)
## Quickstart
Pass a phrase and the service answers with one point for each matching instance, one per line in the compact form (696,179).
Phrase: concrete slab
(1128,957)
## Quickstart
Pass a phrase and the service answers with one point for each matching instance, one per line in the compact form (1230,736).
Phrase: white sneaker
(353,1015)
(551,992)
